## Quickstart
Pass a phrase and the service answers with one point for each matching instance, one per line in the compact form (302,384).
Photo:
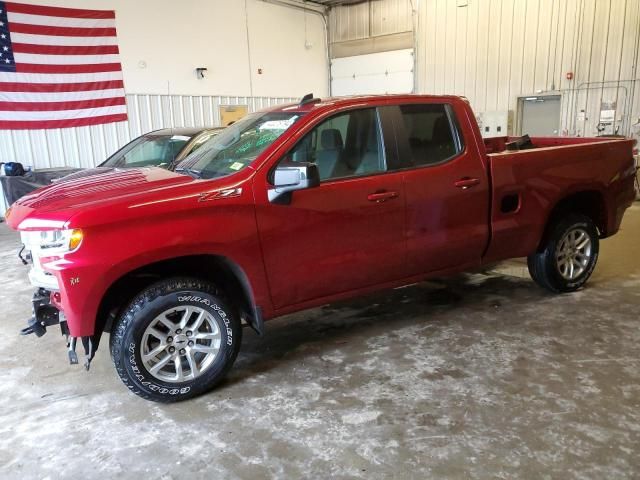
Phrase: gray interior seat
(331,149)
(371,157)
(441,145)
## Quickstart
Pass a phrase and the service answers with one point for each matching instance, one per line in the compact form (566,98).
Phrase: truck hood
(100,188)
(84,173)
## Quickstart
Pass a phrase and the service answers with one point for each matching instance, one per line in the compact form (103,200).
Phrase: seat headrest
(441,131)
(331,139)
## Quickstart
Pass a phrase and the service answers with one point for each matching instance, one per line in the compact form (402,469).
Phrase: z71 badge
(220,194)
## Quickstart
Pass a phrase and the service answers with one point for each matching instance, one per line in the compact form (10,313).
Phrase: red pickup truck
(298,206)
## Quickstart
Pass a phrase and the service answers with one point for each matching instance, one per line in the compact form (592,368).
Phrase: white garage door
(374,73)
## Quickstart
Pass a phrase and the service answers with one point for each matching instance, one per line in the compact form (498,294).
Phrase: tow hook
(43,314)
(33,326)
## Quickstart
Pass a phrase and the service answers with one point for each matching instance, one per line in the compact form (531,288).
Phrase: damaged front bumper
(46,313)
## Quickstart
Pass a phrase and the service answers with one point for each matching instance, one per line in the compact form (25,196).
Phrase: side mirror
(290,177)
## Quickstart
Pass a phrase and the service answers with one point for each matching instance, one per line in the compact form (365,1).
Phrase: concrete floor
(479,376)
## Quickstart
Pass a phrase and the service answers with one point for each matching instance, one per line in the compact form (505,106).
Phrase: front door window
(346,145)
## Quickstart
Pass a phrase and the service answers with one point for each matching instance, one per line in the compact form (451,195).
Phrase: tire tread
(541,264)
(136,306)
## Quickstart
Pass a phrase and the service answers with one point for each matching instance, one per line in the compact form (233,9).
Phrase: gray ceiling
(333,3)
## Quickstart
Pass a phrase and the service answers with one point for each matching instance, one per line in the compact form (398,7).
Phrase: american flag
(59,67)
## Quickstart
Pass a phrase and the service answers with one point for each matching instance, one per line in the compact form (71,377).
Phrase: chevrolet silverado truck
(298,206)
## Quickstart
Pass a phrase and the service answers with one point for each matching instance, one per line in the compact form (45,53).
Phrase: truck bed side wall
(498,144)
(543,177)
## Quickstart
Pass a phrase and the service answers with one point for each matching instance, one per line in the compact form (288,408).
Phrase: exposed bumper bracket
(87,344)
(71,349)
(45,315)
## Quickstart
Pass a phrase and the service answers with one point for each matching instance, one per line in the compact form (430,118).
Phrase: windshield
(148,151)
(238,145)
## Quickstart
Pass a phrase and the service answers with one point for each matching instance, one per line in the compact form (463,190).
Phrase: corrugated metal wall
(369,19)
(493,51)
(88,146)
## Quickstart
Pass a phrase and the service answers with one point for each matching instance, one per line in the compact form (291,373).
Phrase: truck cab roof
(315,104)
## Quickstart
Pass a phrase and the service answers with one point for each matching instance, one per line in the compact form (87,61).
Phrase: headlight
(61,241)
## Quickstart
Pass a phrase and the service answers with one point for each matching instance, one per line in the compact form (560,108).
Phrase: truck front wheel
(568,256)
(175,340)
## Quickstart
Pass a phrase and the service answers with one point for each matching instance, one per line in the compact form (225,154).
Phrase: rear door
(446,189)
(346,234)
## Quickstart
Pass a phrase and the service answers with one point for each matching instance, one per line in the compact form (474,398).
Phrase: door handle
(466,182)
(380,197)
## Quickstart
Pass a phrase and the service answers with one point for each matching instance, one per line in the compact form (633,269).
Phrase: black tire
(543,266)
(128,333)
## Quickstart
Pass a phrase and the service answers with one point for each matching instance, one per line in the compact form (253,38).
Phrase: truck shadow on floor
(294,338)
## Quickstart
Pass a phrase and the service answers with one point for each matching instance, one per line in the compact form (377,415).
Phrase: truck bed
(527,184)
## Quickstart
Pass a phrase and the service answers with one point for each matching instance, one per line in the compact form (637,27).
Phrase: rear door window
(430,133)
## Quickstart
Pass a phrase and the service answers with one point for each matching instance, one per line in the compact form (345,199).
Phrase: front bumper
(42,279)
(71,275)
(53,278)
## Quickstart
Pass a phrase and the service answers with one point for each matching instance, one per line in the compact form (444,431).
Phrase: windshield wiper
(190,172)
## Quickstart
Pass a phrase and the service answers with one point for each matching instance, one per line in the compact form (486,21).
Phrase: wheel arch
(218,269)
(590,203)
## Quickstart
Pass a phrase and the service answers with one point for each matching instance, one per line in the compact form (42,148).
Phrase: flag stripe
(57,106)
(60,21)
(59,88)
(54,40)
(64,60)
(59,78)
(61,31)
(61,114)
(59,96)
(89,68)
(65,50)
(58,11)
(75,122)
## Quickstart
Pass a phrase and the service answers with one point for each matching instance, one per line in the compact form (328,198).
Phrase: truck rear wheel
(175,340)
(568,256)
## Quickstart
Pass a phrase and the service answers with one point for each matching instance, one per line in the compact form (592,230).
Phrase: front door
(346,234)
